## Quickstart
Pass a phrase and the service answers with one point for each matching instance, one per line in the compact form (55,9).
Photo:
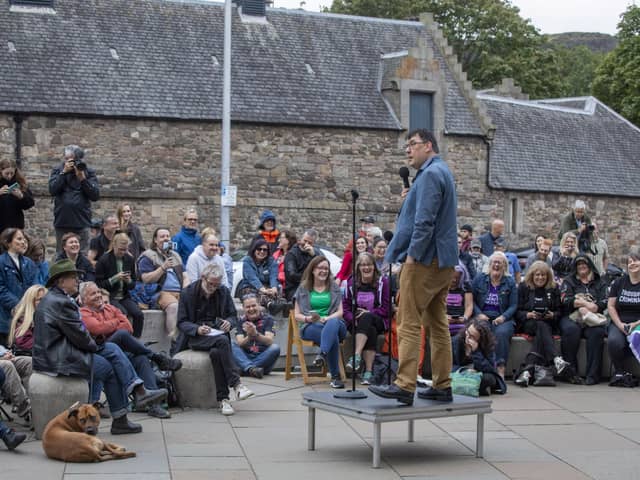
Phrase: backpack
(381,370)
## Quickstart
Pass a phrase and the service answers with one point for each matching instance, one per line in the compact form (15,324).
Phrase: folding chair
(293,338)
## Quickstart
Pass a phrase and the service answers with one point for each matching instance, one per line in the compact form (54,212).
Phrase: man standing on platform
(426,243)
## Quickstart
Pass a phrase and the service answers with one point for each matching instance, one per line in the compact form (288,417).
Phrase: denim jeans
(113,371)
(138,355)
(503,334)
(265,360)
(128,306)
(328,336)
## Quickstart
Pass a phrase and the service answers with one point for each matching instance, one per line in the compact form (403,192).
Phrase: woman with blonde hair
(537,316)
(125,214)
(563,263)
(495,300)
(21,329)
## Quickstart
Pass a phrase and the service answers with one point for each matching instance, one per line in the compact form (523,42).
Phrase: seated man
(296,261)
(107,323)
(254,350)
(206,254)
(62,346)
(10,437)
(206,307)
(161,267)
(17,371)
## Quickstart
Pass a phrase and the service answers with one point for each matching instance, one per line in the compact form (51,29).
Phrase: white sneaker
(226,408)
(242,392)
(560,364)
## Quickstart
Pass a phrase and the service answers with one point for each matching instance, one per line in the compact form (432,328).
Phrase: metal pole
(226,123)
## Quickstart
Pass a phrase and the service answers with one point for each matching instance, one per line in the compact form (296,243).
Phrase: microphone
(355,194)
(404,174)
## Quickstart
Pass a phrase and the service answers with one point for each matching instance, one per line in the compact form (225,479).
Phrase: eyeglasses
(263,249)
(412,144)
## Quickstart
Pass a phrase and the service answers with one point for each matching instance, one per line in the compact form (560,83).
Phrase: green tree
(578,67)
(490,38)
(617,81)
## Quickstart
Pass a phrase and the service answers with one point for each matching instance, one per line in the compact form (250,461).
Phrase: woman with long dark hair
(17,273)
(475,347)
(15,196)
(286,241)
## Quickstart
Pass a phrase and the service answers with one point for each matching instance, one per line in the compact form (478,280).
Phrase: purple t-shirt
(492,303)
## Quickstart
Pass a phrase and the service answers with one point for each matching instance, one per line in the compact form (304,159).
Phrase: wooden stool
(293,338)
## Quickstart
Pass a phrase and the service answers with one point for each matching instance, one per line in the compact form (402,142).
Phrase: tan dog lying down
(71,437)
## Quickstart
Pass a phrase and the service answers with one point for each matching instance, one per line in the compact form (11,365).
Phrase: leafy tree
(490,38)
(578,67)
(617,81)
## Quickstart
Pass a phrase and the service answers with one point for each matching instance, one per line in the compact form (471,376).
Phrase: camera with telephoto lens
(591,228)
(78,159)
(541,310)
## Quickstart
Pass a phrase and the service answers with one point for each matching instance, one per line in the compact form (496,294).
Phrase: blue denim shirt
(507,293)
(427,223)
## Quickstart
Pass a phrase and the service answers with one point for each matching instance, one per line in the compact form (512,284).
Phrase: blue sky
(549,16)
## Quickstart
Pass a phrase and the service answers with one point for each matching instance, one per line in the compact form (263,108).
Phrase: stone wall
(303,174)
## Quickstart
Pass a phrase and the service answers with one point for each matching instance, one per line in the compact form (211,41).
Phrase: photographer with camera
(74,186)
(594,247)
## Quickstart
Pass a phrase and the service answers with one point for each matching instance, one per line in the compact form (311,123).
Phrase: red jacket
(106,322)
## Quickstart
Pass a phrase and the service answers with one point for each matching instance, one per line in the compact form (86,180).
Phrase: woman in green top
(318,310)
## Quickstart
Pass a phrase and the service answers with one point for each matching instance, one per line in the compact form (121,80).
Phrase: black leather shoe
(393,391)
(122,426)
(166,363)
(12,439)
(150,396)
(441,395)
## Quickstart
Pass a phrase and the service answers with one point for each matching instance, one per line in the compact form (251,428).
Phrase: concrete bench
(195,381)
(378,410)
(52,395)
(154,331)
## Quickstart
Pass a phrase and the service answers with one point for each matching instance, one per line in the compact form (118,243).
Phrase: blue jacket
(13,284)
(187,239)
(258,276)
(427,223)
(507,292)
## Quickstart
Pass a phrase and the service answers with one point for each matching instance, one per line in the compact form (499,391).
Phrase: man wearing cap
(466,231)
(489,238)
(500,245)
(480,261)
(426,243)
(63,346)
(367,222)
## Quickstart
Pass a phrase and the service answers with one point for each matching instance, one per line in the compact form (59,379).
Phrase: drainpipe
(17,119)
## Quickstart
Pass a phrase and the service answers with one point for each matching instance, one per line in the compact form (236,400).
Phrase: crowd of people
(82,314)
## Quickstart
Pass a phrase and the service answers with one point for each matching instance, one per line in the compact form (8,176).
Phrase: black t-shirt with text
(627,297)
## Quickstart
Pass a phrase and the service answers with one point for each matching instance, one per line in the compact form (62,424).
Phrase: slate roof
(155,58)
(548,147)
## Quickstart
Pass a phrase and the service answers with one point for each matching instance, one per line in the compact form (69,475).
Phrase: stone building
(320,105)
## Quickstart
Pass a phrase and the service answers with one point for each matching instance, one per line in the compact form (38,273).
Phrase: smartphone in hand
(14,187)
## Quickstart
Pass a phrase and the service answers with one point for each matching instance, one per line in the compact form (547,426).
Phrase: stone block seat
(51,395)
(195,381)
(154,331)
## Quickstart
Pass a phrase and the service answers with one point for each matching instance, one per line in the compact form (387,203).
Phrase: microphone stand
(353,394)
